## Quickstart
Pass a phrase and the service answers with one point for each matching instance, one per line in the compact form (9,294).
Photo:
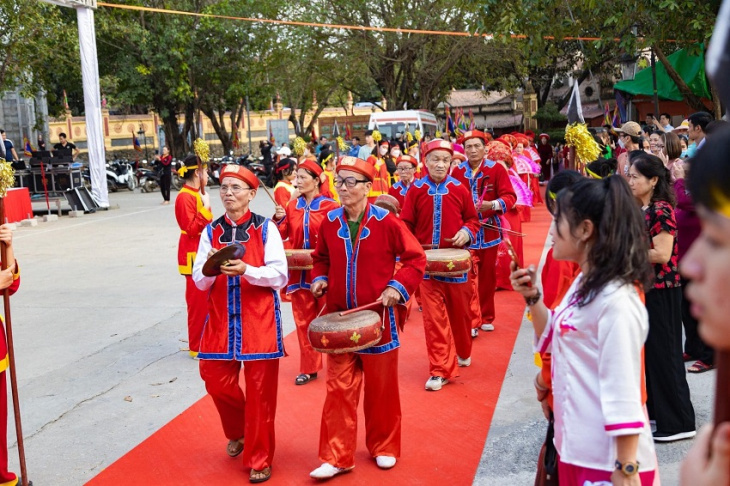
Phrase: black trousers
(666,379)
(165,182)
(693,344)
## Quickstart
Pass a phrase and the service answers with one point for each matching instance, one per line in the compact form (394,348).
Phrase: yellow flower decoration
(7,179)
(586,147)
(417,134)
(377,137)
(202,150)
(409,136)
(298,146)
(341,144)
(438,134)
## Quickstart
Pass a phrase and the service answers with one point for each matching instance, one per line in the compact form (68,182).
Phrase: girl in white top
(596,335)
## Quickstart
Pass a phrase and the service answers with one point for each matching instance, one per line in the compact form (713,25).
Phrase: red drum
(298,259)
(447,262)
(333,333)
(386,201)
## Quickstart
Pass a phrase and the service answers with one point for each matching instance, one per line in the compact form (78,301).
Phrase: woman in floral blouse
(666,382)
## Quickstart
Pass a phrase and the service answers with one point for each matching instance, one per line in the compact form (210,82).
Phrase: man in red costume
(244,324)
(492,194)
(299,221)
(192,211)
(9,279)
(406,166)
(354,263)
(440,212)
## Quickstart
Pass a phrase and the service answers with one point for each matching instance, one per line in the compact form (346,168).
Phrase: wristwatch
(627,468)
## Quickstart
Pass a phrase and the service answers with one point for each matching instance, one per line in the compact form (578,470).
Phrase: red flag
(271,136)
(135,142)
(235,139)
(348,131)
(27,149)
(314,134)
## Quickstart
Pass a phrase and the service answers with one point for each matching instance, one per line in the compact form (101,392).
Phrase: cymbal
(220,258)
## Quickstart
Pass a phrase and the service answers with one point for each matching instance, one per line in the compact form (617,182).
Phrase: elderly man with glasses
(406,169)
(244,324)
(354,263)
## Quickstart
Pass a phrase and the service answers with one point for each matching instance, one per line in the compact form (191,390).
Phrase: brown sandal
(259,476)
(234,447)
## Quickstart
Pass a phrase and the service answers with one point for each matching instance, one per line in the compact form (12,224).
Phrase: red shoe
(686,357)
(700,367)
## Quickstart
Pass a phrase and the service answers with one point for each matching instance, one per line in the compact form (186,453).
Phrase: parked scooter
(119,173)
(254,165)
(148,178)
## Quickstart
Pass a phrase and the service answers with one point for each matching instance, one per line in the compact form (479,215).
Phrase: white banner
(92,105)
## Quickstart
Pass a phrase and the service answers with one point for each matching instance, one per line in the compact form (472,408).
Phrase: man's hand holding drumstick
(318,288)
(460,239)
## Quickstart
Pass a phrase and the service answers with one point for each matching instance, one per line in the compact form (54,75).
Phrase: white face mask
(395,153)
(383,150)
(621,142)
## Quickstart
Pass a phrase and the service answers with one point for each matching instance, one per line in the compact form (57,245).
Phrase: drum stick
(372,305)
(429,246)
(508,231)
(266,189)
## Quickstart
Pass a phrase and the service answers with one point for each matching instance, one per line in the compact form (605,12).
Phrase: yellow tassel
(7,178)
(202,150)
(341,144)
(417,134)
(586,147)
(377,137)
(298,146)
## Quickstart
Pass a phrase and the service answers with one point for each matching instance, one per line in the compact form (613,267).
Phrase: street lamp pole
(141,133)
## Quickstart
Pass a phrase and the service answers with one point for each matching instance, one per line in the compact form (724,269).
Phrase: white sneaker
(487,327)
(475,332)
(327,470)
(385,462)
(435,383)
(464,362)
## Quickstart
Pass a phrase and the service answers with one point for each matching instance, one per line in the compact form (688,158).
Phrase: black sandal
(304,378)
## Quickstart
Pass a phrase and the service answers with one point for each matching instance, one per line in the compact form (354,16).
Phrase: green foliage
(38,48)
(548,115)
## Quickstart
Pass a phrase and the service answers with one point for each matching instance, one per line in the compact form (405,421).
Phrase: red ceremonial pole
(11,356)
(722,387)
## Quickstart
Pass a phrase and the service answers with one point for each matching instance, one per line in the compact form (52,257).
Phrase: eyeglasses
(350,182)
(233,189)
(405,169)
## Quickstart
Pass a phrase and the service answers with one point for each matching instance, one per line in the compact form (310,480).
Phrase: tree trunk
(219,128)
(716,102)
(692,99)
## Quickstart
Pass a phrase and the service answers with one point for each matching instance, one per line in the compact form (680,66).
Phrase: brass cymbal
(220,258)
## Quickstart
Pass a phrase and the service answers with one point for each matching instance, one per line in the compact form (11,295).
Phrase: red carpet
(443,432)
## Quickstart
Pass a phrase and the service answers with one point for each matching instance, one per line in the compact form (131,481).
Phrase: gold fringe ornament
(298,146)
(7,178)
(438,134)
(202,150)
(417,134)
(586,147)
(409,137)
(341,144)
(377,137)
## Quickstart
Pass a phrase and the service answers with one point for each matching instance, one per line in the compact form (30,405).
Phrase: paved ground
(99,324)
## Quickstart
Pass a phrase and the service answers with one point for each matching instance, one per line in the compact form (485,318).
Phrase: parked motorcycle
(254,165)
(119,173)
(148,178)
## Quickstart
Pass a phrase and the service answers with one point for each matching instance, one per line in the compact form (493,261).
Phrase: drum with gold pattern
(447,262)
(298,259)
(333,333)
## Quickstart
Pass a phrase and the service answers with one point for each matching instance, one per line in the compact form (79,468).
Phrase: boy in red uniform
(354,263)
(406,166)
(192,212)
(440,213)
(9,279)
(492,193)
(244,324)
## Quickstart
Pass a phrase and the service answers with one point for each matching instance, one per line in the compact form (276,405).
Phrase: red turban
(240,173)
(354,164)
(438,144)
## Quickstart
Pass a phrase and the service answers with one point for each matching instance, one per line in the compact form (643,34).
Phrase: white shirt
(273,274)
(597,373)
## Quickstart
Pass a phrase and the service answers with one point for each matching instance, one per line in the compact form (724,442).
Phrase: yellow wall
(118,128)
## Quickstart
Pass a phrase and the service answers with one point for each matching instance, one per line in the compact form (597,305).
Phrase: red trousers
(5,475)
(487,282)
(447,326)
(338,434)
(197,301)
(252,418)
(474,307)
(305,309)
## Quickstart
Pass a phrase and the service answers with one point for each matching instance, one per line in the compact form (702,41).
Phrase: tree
(32,34)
